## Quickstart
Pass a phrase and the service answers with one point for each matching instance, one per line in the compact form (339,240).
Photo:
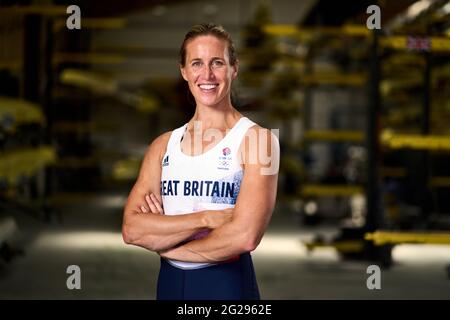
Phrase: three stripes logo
(165,161)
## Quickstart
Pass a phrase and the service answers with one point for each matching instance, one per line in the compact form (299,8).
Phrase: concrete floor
(89,236)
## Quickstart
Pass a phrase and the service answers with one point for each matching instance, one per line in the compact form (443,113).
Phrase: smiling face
(208,71)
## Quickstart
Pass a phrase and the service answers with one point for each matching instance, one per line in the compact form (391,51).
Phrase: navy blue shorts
(226,281)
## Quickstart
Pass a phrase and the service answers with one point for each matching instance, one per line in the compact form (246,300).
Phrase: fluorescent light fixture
(417,8)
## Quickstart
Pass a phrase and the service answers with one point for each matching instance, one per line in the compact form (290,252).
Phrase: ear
(235,70)
(183,73)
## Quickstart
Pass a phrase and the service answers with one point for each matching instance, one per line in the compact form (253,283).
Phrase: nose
(208,73)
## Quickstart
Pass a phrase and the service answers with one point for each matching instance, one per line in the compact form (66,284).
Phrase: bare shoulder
(159,144)
(261,131)
(156,149)
(259,137)
(260,148)
(153,156)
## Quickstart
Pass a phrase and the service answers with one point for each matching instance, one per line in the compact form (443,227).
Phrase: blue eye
(196,63)
(218,63)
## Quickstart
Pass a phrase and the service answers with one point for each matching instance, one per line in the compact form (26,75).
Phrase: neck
(221,116)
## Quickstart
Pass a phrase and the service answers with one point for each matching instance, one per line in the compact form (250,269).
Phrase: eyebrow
(213,58)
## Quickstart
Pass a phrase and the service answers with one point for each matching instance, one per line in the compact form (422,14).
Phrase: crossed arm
(232,235)
(147,226)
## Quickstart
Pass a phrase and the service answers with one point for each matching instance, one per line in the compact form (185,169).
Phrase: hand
(217,218)
(152,205)
(163,253)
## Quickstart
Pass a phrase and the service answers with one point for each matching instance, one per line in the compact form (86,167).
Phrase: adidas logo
(165,161)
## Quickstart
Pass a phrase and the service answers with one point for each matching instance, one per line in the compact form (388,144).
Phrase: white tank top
(210,181)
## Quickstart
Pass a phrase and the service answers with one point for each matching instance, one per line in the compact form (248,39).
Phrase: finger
(151,205)
(144,209)
(157,203)
(148,200)
(158,199)
(155,199)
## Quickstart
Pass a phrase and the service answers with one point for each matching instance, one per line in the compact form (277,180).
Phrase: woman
(215,177)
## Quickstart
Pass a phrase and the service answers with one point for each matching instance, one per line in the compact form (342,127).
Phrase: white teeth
(208,86)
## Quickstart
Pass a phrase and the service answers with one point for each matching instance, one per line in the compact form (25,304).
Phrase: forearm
(158,232)
(164,242)
(221,244)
